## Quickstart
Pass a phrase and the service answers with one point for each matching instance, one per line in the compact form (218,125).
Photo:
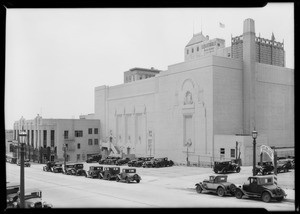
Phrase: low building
(135,74)
(46,138)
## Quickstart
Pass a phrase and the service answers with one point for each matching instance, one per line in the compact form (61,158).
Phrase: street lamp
(254,136)
(22,135)
(188,144)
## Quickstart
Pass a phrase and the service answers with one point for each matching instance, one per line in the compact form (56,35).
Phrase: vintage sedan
(48,167)
(284,165)
(109,173)
(57,168)
(122,161)
(32,199)
(94,172)
(261,187)
(26,163)
(70,169)
(264,168)
(94,158)
(12,193)
(217,184)
(128,175)
(225,167)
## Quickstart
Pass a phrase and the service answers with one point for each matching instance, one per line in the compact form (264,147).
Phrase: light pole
(22,135)
(188,144)
(254,136)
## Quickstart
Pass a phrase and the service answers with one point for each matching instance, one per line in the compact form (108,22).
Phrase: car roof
(262,176)
(32,190)
(11,184)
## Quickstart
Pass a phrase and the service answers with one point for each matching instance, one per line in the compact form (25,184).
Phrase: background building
(47,137)
(214,99)
(135,74)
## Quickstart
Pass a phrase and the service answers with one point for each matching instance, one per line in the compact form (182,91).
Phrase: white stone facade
(204,101)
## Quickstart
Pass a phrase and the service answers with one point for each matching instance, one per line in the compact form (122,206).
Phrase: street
(170,187)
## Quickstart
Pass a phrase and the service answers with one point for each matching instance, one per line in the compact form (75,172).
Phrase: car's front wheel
(138,181)
(117,179)
(238,169)
(266,197)
(221,191)
(198,189)
(238,194)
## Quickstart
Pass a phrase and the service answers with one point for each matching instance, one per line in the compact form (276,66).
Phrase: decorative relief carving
(188,99)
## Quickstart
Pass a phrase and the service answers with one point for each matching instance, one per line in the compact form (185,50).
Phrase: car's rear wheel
(238,169)
(117,179)
(138,180)
(221,191)
(232,188)
(198,189)
(279,199)
(238,194)
(266,197)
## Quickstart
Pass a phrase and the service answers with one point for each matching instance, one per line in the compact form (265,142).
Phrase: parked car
(265,168)
(57,168)
(12,160)
(225,167)
(12,190)
(260,187)
(158,162)
(94,158)
(217,184)
(122,161)
(283,165)
(139,162)
(48,167)
(109,160)
(32,199)
(128,175)
(94,171)
(26,163)
(70,169)
(109,173)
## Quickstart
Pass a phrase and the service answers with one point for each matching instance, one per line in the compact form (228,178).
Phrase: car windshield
(265,181)
(33,195)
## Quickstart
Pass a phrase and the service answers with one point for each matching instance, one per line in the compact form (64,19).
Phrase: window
(78,133)
(78,145)
(96,142)
(90,142)
(95,130)
(232,153)
(90,131)
(222,151)
(187,51)
(44,138)
(78,157)
(52,138)
(66,134)
(192,50)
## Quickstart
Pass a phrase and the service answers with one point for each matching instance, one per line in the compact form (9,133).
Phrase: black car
(260,187)
(48,167)
(122,161)
(264,168)
(57,168)
(26,163)
(70,169)
(226,166)
(158,162)
(109,160)
(94,172)
(128,175)
(283,165)
(109,173)
(94,158)
(12,190)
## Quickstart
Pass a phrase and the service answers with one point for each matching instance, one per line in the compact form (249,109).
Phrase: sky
(56,57)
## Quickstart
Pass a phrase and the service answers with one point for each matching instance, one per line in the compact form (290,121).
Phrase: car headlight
(11,199)
(32,205)
(7,200)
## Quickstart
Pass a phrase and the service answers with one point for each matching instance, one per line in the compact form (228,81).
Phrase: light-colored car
(32,199)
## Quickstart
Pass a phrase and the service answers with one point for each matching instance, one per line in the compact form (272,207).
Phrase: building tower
(249,74)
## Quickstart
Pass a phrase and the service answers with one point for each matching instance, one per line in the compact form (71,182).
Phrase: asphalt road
(171,187)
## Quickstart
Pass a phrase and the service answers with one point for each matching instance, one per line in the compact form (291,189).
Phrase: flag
(221,25)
